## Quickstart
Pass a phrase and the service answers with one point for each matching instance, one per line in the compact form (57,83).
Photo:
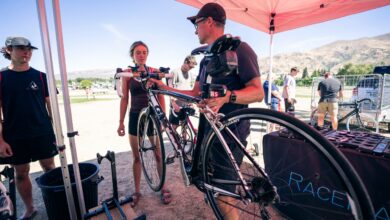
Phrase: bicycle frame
(355,111)
(213,120)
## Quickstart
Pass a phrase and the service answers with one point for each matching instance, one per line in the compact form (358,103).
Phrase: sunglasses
(198,21)
(23,48)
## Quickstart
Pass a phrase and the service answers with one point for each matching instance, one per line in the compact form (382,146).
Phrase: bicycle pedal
(170,159)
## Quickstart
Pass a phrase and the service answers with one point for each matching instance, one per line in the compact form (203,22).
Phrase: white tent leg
(54,106)
(269,77)
(68,111)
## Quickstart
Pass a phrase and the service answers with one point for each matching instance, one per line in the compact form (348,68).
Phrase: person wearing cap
(276,98)
(242,89)
(289,87)
(26,132)
(180,78)
(330,91)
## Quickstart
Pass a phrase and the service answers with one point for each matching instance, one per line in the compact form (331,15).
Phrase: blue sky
(97,33)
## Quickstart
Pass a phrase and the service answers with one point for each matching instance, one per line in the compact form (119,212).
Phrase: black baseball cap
(18,41)
(213,10)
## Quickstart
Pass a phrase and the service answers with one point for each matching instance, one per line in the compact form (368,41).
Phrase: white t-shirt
(289,81)
(179,81)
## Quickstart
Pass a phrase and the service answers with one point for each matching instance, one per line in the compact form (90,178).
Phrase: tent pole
(54,106)
(269,77)
(68,111)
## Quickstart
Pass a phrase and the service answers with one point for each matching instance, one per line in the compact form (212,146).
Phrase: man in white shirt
(289,90)
(181,78)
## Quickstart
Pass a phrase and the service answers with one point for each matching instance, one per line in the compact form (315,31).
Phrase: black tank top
(139,99)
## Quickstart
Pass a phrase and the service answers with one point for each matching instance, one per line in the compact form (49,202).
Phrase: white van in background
(376,87)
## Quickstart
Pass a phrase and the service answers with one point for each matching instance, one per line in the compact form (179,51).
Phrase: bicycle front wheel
(362,122)
(151,149)
(309,173)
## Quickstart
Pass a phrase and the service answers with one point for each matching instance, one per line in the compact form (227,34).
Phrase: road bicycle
(354,119)
(234,182)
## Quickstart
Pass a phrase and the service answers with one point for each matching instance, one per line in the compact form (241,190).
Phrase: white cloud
(114,31)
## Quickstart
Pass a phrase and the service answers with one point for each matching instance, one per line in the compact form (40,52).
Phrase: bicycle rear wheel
(363,122)
(151,149)
(313,179)
(187,138)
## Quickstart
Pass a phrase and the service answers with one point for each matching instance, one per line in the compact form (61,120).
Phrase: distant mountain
(373,50)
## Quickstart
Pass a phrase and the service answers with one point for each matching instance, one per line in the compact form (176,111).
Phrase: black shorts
(31,149)
(133,124)
(288,107)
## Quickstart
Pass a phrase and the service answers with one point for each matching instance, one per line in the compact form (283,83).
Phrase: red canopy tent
(288,14)
(275,16)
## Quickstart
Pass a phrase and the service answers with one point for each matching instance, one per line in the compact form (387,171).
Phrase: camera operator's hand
(216,103)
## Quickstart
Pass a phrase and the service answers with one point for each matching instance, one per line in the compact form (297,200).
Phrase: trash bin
(53,190)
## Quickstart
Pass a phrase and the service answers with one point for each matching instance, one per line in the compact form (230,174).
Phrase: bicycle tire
(355,123)
(334,166)
(149,135)
(314,117)
(187,139)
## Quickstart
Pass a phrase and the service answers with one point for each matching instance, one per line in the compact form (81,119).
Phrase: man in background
(289,89)
(330,91)
(276,98)
(182,79)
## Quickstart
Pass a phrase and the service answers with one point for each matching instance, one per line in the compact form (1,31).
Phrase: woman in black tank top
(139,53)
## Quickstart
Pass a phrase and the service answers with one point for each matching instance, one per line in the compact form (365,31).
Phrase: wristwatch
(233,97)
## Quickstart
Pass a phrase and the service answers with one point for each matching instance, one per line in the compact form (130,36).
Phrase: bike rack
(113,202)
(8,172)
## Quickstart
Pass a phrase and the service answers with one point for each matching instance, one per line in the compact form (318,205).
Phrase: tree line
(347,69)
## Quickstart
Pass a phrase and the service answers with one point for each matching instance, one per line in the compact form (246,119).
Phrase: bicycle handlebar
(363,100)
(132,72)
(356,102)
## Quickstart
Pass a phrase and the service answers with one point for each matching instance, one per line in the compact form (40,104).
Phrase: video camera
(222,60)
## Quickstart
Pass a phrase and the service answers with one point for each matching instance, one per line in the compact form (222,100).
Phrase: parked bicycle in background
(354,120)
